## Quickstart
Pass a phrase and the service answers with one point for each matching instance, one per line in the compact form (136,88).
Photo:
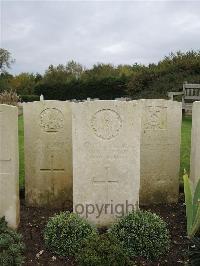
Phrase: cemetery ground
(33,220)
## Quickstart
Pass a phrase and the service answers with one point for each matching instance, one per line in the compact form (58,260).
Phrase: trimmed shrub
(143,234)
(11,246)
(30,98)
(64,233)
(101,250)
(103,88)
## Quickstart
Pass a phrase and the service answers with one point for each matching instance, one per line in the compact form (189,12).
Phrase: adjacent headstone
(160,151)
(195,146)
(48,153)
(9,165)
(106,159)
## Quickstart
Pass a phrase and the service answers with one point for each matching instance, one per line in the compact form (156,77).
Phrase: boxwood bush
(11,246)
(143,234)
(29,98)
(64,233)
(101,250)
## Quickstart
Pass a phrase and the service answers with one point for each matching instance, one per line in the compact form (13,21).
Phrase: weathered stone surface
(160,151)
(106,159)
(48,153)
(9,165)
(195,146)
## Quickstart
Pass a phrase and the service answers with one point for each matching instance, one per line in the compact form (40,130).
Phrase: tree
(155,80)
(100,71)
(75,69)
(23,83)
(5,60)
(5,80)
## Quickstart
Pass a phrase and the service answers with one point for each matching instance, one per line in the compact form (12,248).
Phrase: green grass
(185,148)
(21,151)
(185,145)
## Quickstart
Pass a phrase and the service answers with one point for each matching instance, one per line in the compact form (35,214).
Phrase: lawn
(185,144)
(185,147)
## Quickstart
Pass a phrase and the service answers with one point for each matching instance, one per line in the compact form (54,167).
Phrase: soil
(33,221)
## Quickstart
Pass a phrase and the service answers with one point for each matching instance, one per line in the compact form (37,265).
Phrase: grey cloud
(41,33)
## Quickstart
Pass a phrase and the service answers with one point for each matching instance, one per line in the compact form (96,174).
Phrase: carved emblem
(106,124)
(155,118)
(51,120)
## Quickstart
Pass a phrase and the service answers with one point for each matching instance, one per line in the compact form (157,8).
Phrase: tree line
(104,81)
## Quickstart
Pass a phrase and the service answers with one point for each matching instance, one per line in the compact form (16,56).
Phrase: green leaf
(196,200)
(188,203)
(196,224)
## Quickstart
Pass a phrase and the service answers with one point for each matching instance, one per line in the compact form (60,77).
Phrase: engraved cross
(107,181)
(52,169)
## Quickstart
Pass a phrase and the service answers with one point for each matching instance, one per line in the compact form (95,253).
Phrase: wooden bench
(190,93)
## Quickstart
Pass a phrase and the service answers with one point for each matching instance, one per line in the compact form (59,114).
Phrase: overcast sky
(40,33)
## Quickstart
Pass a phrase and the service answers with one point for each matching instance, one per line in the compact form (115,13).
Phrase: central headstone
(48,153)
(106,159)
(9,165)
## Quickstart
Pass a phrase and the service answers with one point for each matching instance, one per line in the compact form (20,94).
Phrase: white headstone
(9,165)
(160,151)
(48,153)
(195,146)
(106,159)
(41,97)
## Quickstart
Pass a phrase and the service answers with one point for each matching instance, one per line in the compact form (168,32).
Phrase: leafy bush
(155,80)
(192,207)
(9,97)
(11,246)
(142,233)
(64,233)
(101,250)
(195,252)
(30,98)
